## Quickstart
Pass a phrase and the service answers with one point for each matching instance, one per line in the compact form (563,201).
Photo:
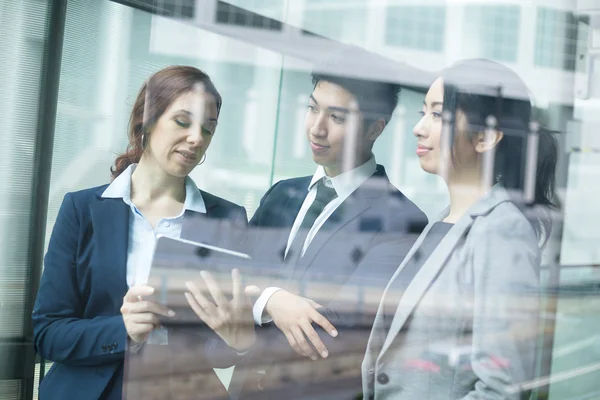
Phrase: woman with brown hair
(90,310)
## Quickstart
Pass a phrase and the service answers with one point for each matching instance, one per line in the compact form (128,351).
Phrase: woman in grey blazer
(458,320)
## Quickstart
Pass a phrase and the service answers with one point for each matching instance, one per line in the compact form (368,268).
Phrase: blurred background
(71,69)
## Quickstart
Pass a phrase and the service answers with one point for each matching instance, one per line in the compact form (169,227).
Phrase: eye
(437,114)
(182,124)
(338,119)
(208,131)
(312,108)
(421,113)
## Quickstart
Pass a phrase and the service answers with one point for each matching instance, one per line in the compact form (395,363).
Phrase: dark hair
(482,88)
(376,99)
(153,99)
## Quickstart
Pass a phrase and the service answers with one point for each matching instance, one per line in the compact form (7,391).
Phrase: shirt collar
(346,183)
(120,188)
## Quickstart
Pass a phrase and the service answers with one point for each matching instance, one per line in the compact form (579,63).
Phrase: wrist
(272,302)
(245,345)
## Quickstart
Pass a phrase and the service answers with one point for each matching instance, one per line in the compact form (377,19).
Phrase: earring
(203,159)
(143,141)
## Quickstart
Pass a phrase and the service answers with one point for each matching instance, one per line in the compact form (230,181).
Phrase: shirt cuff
(258,310)
(134,347)
(243,353)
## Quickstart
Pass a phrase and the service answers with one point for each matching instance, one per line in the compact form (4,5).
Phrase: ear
(375,129)
(485,141)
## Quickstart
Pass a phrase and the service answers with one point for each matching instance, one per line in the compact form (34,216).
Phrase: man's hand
(140,316)
(230,319)
(294,316)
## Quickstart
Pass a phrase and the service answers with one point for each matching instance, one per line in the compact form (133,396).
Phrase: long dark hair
(153,99)
(482,88)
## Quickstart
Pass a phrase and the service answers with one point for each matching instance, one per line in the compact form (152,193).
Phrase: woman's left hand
(230,319)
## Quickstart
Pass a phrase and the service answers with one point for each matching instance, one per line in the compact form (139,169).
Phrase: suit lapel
(345,213)
(294,197)
(379,333)
(110,221)
(425,277)
(293,204)
(357,203)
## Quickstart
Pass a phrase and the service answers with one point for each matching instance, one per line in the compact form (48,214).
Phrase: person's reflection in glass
(322,238)
(459,317)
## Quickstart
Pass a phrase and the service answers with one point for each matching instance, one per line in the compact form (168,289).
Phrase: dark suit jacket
(76,318)
(345,268)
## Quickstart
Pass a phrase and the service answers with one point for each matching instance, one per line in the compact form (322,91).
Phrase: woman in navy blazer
(90,309)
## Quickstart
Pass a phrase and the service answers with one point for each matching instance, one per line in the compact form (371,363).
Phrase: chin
(427,167)
(320,160)
(180,171)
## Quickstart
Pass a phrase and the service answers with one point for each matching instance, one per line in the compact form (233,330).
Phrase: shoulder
(295,183)
(76,206)
(405,209)
(506,251)
(505,219)
(83,197)
(288,187)
(212,201)
(380,181)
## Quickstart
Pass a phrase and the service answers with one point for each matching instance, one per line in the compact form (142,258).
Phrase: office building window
(416,27)
(336,19)
(492,32)
(269,8)
(232,15)
(183,9)
(556,39)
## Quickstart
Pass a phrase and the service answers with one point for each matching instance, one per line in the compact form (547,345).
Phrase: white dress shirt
(142,238)
(344,184)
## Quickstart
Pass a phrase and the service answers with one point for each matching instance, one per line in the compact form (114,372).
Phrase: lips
(318,148)
(187,156)
(422,150)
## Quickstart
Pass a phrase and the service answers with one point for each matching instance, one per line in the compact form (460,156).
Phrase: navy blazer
(76,318)
(360,245)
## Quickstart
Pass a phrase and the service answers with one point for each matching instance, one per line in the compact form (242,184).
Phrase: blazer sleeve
(61,333)
(506,306)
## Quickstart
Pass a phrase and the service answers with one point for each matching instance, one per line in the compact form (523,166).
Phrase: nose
(195,137)
(318,125)
(420,130)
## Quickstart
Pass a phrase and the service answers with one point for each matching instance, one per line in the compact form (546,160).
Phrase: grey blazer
(466,325)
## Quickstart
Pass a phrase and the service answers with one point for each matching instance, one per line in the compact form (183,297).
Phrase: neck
(465,189)
(150,182)
(334,170)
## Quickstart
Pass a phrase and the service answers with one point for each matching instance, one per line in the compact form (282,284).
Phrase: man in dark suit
(326,237)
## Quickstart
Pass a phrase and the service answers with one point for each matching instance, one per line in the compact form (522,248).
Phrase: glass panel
(581,235)
(335,19)
(97,92)
(109,51)
(557,39)
(465,299)
(416,27)
(22,35)
(493,31)
(11,390)
(575,366)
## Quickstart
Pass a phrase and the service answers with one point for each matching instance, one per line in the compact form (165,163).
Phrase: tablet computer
(177,261)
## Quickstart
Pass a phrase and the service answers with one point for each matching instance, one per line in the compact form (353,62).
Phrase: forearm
(86,342)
